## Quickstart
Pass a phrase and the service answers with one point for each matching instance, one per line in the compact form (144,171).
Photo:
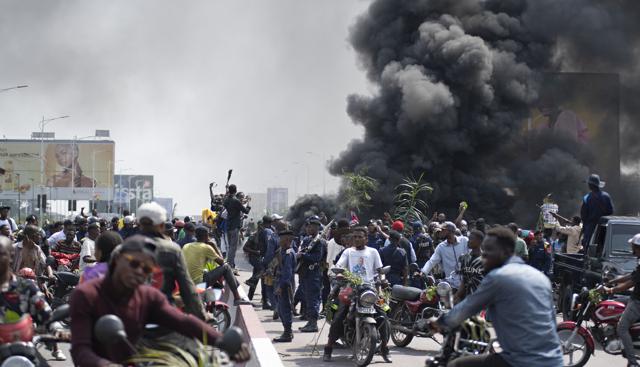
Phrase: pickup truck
(608,252)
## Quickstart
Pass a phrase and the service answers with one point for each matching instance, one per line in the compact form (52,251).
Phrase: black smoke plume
(309,205)
(456,79)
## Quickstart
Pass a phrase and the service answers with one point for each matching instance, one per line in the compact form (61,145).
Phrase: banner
(61,169)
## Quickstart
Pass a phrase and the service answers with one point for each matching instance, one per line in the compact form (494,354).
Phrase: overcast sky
(188,89)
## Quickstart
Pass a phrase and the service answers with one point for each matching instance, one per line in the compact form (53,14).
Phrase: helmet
(27,273)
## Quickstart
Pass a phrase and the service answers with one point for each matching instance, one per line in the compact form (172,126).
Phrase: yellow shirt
(196,255)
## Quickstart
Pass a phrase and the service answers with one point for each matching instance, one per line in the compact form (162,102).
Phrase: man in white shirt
(59,236)
(88,249)
(572,230)
(447,255)
(6,220)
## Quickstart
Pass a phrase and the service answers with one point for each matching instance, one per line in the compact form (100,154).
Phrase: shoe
(58,355)
(386,358)
(286,337)
(310,327)
(251,282)
(239,302)
(266,306)
(295,313)
(236,272)
(275,315)
(327,354)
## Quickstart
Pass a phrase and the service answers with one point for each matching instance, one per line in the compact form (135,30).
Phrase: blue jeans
(630,315)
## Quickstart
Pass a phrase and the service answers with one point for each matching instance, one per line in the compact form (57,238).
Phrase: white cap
(153,211)
(277,217)
(635,240)
(128,219)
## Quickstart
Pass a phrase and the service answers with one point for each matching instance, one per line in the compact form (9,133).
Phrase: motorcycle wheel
(401,316)
(577,346)
(366,346)
(221,319)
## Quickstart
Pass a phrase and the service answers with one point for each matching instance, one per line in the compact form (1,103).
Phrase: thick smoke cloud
(456,79)
(307,206)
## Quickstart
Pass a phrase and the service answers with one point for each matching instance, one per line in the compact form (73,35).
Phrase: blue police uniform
(284,282)
(423,247)
(375,241)
(540,256)
(395,257)
(311,275)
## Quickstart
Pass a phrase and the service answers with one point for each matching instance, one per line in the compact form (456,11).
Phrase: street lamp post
(19,199)
(42,124)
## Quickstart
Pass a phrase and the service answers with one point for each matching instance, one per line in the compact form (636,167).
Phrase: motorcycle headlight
(443,289)
(17,361)
(368,299)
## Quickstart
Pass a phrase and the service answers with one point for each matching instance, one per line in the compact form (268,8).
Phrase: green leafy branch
(358,190)
(409,205)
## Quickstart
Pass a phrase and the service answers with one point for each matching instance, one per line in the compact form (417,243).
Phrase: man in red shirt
(123,292)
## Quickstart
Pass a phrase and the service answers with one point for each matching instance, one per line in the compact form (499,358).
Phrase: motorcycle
(109,330)
(211,297)
(19,344)
(472,337)
(410,309)
(366,321)
(576,337)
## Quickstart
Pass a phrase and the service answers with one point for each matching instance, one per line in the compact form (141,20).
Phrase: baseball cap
(635,240)
(449,226)
(152,211)
(416,224)
(277,217)
(398,226)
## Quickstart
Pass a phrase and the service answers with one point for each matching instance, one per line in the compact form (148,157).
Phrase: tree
(358,189)
(409,205)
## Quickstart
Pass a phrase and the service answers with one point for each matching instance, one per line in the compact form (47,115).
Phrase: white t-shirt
(10,223)
(333,249)
(87,249)
(361,262)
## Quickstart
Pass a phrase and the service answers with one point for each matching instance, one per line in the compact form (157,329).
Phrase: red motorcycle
(577,338)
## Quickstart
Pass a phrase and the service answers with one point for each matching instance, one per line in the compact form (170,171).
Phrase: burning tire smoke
(455,81)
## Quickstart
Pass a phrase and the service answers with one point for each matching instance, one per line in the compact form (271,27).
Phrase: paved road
(299,352)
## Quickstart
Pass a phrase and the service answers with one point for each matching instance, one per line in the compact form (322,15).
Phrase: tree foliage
(409,202)
(358,190)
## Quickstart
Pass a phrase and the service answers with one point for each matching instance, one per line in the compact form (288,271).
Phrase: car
(607,255)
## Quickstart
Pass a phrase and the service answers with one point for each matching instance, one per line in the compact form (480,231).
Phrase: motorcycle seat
(406,293)
(67,278)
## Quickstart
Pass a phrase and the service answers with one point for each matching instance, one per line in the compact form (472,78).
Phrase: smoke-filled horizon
(455,80)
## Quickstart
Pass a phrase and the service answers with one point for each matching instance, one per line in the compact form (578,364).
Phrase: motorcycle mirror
(109,330)
(337,270)
(231,341)
(384,270)
(60,313)
(51,261)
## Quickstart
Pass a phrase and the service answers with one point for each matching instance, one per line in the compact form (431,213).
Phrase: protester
(87,251)
(283,283)
(361,261)
(59,233)
(189,234)
(573,231)
(375,237)
(235,209)
(128,228)
(540,253)
(447,255)
(104,246)
(27,254)
(198,255)
(5,219)
(151,217)
(170,231)
(254,254)
(520,304)
(123,293)
(595,204)
(395,257)
(631,312)
(471,266)
(521,246)
(271,244)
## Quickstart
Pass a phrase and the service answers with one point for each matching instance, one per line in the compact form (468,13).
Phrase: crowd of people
(137,266)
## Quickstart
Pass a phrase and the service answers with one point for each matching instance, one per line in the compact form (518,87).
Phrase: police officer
(310,258)
(396,257)
(269,240)
(283,283)
(422,244)
(540,253)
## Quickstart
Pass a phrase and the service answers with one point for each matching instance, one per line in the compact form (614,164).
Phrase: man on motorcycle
(19,296)
(27,254)
(520,304)
(123,292)
(631,313)
(363,262)
(396,257)
(447,255)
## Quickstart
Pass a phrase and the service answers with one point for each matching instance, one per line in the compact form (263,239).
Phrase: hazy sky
(188,89)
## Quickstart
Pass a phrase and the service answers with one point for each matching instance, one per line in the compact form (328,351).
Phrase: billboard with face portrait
(60,169)
(582,108)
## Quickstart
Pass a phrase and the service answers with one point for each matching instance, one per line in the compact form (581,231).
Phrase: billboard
(277,200)
(61,169)
(584,107)
(130,191)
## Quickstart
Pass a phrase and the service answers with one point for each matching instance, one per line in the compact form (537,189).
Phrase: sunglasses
(135,264)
